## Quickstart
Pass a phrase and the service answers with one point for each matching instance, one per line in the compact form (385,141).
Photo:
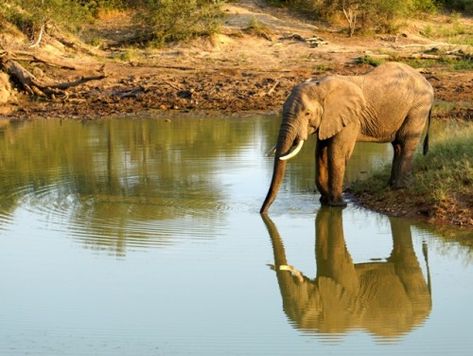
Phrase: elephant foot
(395,185)
(338,203)
(401,182)
(326,201)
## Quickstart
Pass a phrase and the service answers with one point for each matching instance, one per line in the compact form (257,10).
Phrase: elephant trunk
(278,174)
(285,142)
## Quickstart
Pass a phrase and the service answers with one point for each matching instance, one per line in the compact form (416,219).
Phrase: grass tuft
(441,181)
(367,59)
(258,28)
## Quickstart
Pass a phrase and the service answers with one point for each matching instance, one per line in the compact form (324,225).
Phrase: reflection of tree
(385,298)
(107,176)
(453,241)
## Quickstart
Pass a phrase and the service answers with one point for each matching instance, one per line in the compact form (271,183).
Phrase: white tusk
(294,272)
(271,152)
(294,152)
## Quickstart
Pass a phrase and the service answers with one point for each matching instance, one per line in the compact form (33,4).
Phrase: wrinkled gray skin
(391,103)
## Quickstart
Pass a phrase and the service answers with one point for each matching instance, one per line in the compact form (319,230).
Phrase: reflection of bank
(387,299)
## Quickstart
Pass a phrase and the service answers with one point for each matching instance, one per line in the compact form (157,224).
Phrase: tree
(350,10)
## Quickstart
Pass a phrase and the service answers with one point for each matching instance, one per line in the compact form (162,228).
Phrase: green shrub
(28,15)
(446,170)
(363,15)
(161,20)
(385,15)
(458,5)
(366,59)
(258,28)
(460,64)
(170,20)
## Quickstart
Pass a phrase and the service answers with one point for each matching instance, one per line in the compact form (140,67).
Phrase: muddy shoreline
(237,95)
(224,90)
(445,215)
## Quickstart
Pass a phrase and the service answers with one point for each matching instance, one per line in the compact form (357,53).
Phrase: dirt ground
(456,211)
(240,69)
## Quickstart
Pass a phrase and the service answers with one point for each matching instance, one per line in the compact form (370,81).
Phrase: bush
(458,5)
(383,15)
(364,15)
(161,20)
(170,20)
(29,15)
(308,7)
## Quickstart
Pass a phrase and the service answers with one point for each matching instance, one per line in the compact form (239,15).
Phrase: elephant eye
(307,113)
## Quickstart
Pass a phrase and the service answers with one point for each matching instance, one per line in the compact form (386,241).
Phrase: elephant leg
(332,256)
(407,155)
(405,144)
(402,164)
(395,169)
(321,170)
(339,152)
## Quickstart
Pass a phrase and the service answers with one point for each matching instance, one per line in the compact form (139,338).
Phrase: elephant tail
(426,139)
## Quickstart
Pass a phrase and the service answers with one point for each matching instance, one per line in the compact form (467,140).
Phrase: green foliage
(366,59)
(258,28)
(385,15)
(450,63)
(365,15)
(161,20)
(310,8)
(449,166)
(28,15)
(458,5)
(423,5)
(453,31)
(170,20)
(446,170)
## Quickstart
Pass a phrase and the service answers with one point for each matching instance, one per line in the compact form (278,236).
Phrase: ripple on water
(114,221)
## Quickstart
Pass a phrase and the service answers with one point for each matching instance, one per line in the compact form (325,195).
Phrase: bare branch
(28,82)
(78,81)
(40,37)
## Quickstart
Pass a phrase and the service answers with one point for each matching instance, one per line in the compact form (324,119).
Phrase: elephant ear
(343,104)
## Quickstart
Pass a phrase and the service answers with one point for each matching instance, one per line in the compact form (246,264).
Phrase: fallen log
(36,58)
(26,81)
(134,92)
(78,81)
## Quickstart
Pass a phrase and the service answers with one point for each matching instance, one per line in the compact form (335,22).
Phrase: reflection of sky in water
(81,273)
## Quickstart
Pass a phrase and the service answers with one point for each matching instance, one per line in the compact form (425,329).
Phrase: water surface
(142,237)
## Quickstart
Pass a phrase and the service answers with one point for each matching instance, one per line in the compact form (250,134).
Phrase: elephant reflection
(385,298)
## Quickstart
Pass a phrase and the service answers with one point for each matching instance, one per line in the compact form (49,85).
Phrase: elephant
(391,103)
(387,299)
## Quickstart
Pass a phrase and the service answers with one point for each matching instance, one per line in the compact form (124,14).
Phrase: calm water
(142,237)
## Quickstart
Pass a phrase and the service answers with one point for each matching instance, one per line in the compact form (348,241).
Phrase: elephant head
(313,107)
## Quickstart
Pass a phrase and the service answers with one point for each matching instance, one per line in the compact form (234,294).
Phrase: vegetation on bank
(163,21)
(384,16)
(159,21)
(460,61)
(441,187)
